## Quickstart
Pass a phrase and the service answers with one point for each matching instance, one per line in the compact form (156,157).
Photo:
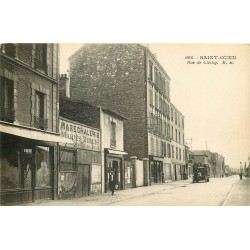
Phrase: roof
(65,101)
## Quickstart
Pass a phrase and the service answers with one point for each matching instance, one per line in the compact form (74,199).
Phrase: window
(179,137)
(172,115)
(164,86)
(176,139)
(150,71)
(7,111)
(43,171)
(160,104)
(180,153)
(68,160)
(165,128)
(156,101)
(152,146)
(176,153)
(168,131)
(156,78)
(157,147)
(169,151)
(173,152)
(172,132)
(9,49)
(165,149)
(39,118)
(113,135)
(151,97)
(41,56)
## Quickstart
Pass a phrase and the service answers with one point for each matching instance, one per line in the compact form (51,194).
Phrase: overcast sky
(215,99)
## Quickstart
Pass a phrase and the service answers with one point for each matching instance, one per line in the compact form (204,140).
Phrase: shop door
(83,180)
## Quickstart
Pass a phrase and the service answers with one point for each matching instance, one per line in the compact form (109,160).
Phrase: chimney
(64,86)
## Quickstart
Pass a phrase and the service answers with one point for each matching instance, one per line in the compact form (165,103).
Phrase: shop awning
(117,152)
(32,134)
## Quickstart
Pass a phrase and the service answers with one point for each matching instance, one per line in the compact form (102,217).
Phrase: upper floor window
(41,56)
(39,119)
(156,101)
(172,115)
(113,134)
(151,96)
(156,77)
(164,86)
(9,49)
(159,81)
(7,111)
(150,71)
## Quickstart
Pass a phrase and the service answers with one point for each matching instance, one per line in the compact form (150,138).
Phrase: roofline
(93,105)
(156,60)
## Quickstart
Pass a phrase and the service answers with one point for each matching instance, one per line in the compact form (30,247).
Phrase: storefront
(28,164)
(156,169)
(80,161)
(114,162)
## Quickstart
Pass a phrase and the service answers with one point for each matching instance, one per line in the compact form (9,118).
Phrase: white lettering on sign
(82,136)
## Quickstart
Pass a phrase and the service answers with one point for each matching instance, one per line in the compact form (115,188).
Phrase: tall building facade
(129,79)
(29,122)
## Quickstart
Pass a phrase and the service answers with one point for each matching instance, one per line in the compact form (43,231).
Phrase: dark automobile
(201,172)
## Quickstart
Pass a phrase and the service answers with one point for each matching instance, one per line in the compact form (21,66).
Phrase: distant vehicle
(201,172)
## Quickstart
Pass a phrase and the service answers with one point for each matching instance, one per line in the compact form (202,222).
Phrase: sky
(214,98)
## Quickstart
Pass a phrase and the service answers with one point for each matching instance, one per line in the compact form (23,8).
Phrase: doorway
(83,180)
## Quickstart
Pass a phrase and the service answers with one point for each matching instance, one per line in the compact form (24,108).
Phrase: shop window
(43,171)
(67,160)
(9,165)
(7,111)
(113,135)
(39,119)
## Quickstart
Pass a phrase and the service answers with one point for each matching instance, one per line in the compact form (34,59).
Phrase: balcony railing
(7,114)
(40,122)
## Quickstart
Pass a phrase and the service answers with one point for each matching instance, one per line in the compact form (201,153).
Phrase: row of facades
(61,135)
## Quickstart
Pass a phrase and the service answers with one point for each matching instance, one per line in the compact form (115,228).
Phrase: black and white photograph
(124,124)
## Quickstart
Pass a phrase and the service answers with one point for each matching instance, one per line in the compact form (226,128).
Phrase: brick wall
(27,82)
(113,75)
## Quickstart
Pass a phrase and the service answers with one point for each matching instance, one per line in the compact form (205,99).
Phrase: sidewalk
(107,198)
(239,194)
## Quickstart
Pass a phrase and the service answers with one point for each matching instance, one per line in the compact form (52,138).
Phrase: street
(218,192)
(214,193)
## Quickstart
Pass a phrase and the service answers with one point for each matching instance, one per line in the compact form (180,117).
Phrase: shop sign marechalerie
(82,136)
